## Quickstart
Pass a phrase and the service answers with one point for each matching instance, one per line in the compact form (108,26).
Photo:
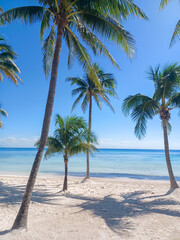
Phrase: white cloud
(11,139)
(18,142)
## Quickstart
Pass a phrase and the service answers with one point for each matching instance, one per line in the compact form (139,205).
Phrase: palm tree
(3,113)
(72,20)
(177,28)
(70,138)
(87,91)
(166,97)
(7,65)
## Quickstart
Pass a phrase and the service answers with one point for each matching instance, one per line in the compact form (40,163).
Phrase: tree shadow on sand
(117,211)
(118,215)
(13,194)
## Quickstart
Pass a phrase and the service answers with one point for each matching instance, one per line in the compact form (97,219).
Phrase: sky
(25,103)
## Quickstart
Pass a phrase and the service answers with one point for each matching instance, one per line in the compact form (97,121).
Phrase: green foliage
(7,65)
(48,51)
(176,33)
(70,137)
(82,21)
(142,108)
(3,113)
(87,87)
(29,14)
(163,3)
(166,96)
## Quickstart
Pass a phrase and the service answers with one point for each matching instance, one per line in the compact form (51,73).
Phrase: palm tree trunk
(21,219)
(168,162)
(89,128)
(66,173)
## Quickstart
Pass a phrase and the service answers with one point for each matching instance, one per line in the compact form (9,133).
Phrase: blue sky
(25,103)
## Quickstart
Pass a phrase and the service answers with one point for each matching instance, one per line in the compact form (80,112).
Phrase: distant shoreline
(93,175)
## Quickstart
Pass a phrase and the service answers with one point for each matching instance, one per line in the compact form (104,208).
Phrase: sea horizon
(103,148)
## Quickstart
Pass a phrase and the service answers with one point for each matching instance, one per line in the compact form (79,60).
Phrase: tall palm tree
(176,33)
(70,138)
(166,98)
(3,113)
(7,65)
(87,91)
(75,21)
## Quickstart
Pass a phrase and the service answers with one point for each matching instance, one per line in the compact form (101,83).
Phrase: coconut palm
(7,66)
(70,138)
(75,21)
(3,113)
(166,98)
(176,33)
(87,91)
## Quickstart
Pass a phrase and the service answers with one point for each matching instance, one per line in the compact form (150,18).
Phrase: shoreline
(93,176)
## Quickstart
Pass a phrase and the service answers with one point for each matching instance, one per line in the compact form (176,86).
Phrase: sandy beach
(96,209)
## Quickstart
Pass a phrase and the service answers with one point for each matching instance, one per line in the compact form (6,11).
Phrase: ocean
(139,164)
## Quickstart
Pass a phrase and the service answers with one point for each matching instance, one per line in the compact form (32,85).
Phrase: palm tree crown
(70,137)
(87,89)
(176,33)
(166,97)
(7,65)
(79,20)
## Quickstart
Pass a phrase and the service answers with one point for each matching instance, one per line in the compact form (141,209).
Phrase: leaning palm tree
(7,66)
(87,91)
(176,33)
(70,138)
(72,21)
(3,113)
(166,98)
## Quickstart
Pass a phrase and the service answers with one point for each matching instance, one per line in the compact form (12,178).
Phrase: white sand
(97,209)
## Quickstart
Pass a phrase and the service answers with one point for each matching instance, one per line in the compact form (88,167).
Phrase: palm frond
(1,10)
(48,51)
(163,3)
(59,121)
(83,56)
(110,29)
(98,101)
(77,100)
(3,113)
(174,101)
(107,101)
(85,103)
(176,33)
(71,56)
(7,65)
(78,90)
(11,74)
(133,101)
(117,8)
(45,24)
(93,41)
(141,114)
(29,14)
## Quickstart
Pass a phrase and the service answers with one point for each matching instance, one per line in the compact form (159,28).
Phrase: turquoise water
(105,163)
